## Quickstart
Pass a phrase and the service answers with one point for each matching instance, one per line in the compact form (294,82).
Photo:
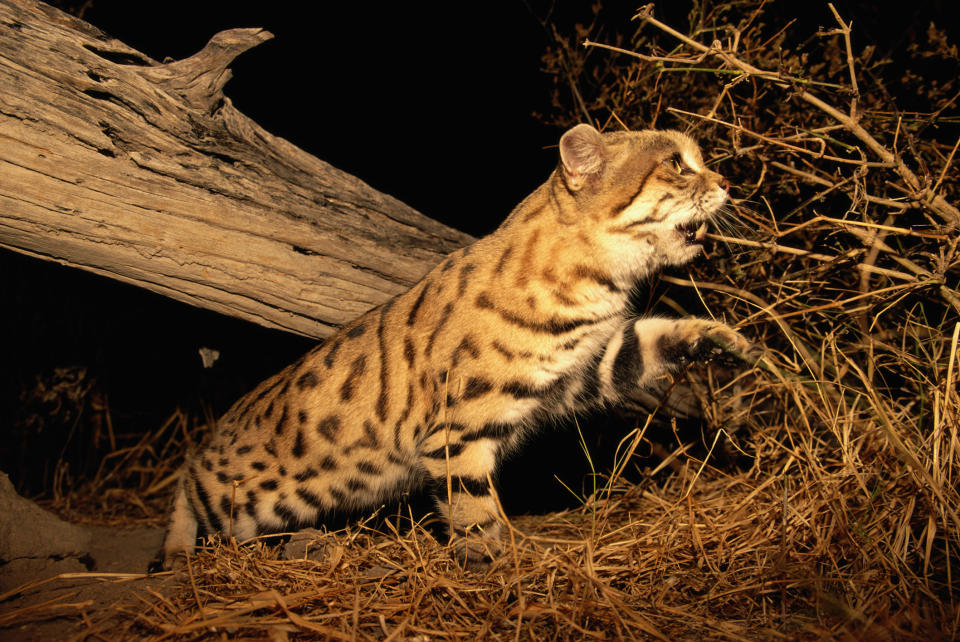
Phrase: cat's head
(645,195)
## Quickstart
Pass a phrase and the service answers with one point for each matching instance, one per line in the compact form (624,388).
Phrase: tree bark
(145,172)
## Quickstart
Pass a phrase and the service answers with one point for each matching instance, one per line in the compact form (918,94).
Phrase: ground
(60,578)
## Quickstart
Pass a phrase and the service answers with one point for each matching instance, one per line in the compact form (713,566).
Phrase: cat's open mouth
(692,234)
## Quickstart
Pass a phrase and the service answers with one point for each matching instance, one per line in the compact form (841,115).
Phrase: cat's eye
(676,161)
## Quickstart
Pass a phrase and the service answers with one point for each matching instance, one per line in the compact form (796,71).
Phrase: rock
(303,545)
(28,531)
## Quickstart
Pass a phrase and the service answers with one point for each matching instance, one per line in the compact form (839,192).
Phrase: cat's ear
(581,154)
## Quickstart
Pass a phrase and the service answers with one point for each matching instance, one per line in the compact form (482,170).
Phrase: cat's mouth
(691,233)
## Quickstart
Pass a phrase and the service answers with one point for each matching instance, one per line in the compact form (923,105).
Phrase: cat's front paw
(167,561)
(721,343)
(474,552)
(703,341)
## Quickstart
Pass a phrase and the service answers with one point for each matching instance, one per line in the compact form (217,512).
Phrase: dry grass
(846,525)
(803,553)
(132,484)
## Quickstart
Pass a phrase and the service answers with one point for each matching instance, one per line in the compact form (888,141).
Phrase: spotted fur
(432,388)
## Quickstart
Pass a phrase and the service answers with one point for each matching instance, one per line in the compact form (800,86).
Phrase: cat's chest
(569,356)
(545,379)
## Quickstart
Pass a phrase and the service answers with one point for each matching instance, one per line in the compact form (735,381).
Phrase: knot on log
(199,79)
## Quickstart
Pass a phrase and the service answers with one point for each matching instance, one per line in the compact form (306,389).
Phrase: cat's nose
(724,183)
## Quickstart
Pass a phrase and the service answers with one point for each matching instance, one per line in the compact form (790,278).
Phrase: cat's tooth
(701,232)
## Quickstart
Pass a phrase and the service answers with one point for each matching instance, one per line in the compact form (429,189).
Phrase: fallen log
(145,172)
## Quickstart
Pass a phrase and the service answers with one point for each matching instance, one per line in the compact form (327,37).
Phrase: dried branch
(920,194)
